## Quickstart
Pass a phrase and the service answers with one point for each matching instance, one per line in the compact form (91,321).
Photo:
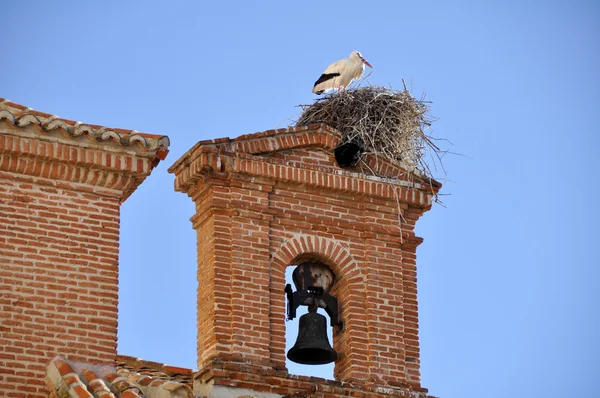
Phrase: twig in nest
(389,123)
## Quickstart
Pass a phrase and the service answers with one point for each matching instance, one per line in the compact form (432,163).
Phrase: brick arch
(350,290)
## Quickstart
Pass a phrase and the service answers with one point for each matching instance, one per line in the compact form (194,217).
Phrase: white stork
(341,73)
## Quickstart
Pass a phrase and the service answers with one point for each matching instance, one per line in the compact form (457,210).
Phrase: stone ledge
(235,375)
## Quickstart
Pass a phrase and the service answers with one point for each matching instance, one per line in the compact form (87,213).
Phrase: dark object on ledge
(349,153)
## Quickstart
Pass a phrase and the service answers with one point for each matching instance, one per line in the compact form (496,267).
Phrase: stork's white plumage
(341,73)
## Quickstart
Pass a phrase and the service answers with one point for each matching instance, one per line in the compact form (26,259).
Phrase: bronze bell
(312,345)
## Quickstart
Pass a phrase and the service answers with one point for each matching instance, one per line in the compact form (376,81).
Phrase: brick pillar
(61,186)
(232,236)
(270,200)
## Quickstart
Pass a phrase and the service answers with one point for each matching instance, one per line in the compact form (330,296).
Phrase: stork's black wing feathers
(326,76)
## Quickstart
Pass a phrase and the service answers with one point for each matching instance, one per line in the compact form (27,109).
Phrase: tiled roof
(22,116)
(82,380)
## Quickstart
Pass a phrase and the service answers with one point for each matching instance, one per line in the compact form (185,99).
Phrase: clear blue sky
(508,273)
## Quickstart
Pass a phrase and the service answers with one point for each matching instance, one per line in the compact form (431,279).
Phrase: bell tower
(278,198)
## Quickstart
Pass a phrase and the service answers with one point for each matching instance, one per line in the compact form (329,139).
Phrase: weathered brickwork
(60,196)
(264,202)
(59,277)
(271,200)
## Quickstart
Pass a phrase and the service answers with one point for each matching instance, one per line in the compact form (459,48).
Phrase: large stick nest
(386,122)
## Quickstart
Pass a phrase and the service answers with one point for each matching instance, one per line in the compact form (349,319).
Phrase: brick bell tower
(275,199)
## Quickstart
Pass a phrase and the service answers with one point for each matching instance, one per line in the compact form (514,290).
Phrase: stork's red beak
(367,63)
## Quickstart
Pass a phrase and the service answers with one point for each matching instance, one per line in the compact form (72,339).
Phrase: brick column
(233,300)
(411,307)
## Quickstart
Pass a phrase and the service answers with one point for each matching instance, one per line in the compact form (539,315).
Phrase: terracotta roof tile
(82,380)
(96,385)
(121,384)
(21,116)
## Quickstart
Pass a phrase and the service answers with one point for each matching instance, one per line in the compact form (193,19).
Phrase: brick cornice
(246,155)
(212,161)
(104,169)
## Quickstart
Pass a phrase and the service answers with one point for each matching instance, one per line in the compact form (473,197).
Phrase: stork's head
(358,56)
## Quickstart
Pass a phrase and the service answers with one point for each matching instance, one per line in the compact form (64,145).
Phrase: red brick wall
(58,273)
(59,246)
(256,215)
